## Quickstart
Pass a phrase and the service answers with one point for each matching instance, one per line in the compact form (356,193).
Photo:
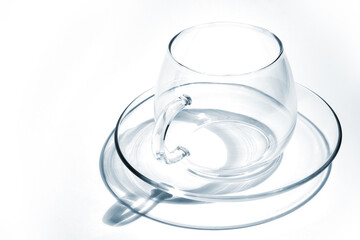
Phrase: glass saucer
(171,194)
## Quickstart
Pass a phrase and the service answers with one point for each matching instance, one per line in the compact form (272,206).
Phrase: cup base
(238,149)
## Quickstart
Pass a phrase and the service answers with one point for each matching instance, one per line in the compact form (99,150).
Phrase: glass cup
(225,101)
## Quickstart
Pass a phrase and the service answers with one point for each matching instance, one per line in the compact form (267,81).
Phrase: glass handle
(161,126)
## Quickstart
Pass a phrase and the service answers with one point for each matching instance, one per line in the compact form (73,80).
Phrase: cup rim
(239,24)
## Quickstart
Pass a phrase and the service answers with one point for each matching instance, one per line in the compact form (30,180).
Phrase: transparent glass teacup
(230,89)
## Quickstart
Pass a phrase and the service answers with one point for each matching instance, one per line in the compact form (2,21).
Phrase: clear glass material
(226,131)
(150,188)
(228,85)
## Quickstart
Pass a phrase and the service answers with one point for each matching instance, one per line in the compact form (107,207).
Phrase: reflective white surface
(69,68)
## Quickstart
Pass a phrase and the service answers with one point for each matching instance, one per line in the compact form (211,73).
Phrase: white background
(68,69)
